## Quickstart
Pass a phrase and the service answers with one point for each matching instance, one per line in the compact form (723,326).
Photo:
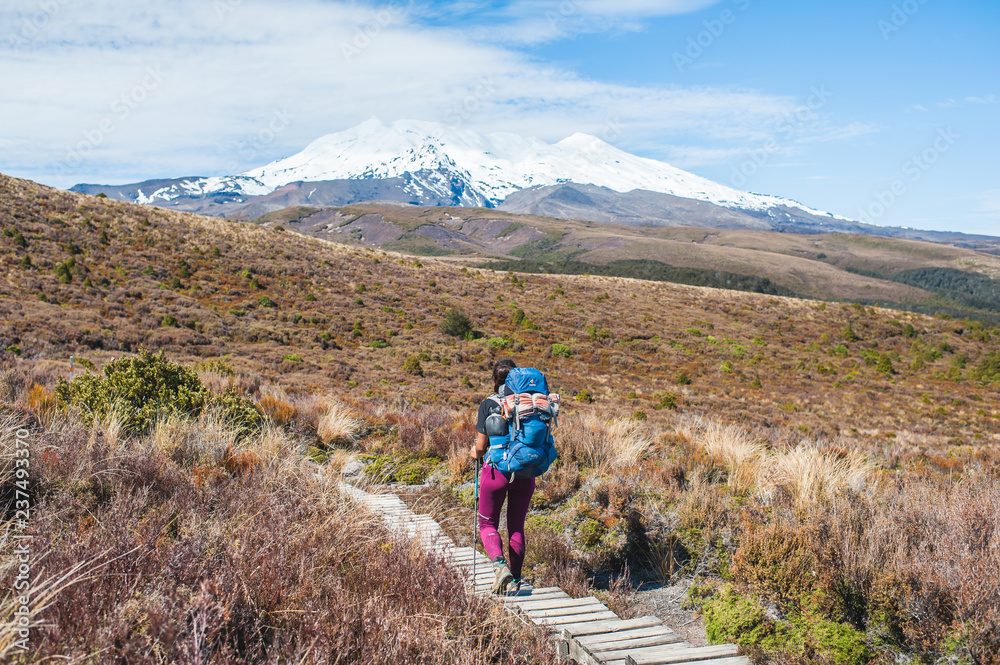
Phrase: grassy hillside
(93,278)
(823,476)
(824,266)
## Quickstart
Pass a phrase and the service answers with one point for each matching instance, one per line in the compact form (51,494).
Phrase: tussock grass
(337,423)
(811,476)
(601,443)
(739,452)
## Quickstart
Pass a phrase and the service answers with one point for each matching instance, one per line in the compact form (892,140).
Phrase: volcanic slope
(93,278)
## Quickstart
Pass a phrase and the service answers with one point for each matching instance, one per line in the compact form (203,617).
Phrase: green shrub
(561,351)
(264,301)
(884,365)
(848,334)
(169,321)
(589,533)
(456,323)
(584,396)
(66,270)
(683,379)
(402,467)
(412,366)
(292,358)
(731,617)
(140,388)
(988,368)
(499,343)
(665,400)
(378,343)
(239,412)
(221,366)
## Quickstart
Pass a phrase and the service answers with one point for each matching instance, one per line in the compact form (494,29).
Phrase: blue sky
(883,111)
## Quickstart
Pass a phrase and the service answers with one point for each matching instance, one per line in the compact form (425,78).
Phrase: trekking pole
(475,531)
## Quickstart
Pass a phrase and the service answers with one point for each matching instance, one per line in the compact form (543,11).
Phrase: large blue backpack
(521,443)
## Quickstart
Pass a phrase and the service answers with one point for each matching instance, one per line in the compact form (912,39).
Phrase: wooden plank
(547,604)
(594,655)
(580,654)
(614,626)
(635,643)
(730,660)
(666,655)
(653,631)
(527,594)
(566,611)
(595,617)
(536,594)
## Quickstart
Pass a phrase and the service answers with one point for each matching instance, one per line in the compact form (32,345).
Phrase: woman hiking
(494,487)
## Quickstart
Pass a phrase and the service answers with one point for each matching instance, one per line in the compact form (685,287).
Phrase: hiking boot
(514,585)
(503,576)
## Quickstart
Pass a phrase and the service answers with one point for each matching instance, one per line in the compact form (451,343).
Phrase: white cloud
(988,100)
(115,91)
(538,21)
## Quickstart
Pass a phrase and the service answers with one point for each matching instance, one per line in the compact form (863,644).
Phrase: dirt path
(665,602)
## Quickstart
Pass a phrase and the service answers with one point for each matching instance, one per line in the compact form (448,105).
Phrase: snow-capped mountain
(433,163)
(493,165)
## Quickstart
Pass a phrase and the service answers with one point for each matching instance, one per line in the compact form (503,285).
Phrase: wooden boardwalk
(584,629)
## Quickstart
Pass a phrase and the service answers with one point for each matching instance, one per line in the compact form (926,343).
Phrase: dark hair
(500,372)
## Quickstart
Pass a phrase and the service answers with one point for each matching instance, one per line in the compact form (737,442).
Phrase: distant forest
(650,270)
(964,288)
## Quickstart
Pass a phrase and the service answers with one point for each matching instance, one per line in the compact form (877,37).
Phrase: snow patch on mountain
(203,187)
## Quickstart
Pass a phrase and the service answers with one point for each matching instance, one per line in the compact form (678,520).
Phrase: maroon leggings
(493,487)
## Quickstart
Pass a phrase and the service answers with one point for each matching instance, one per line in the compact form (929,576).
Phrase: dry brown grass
(811,476)
(183,553)
(603,443)
(338,425)
(733,448)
